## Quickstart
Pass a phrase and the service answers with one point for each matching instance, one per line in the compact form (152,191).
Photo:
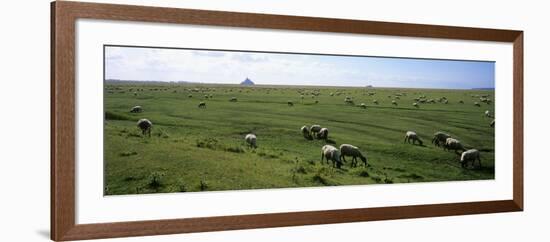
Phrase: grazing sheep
(202,105)
(331,153)
(440,138)
(470,156)
(375,102)
(453,144)
(190,96)
(415,105)
(251,140)
(363,106)
(290,104)
(305,132)
(135,93)
(493,123)
(350,150)
(323,134)
(145,125)
(394,102)
(315,129)
(477,104)
(136,109)
(410,135)
(233,99)
(488,113)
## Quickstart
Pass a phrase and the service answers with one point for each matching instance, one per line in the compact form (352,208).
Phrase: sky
(232,67)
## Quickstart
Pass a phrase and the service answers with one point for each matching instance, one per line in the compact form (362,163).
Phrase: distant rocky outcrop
(247,82)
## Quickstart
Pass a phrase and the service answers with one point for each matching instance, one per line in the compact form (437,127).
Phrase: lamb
(470,156)
(323,134)
(453,144)
(305,132)
(136,109)
(202,105)
(331,153)
(350,150)
(440,138)
(145,125)
(315,129)
(290,103)
(251,140)
(410,135)
(493,123)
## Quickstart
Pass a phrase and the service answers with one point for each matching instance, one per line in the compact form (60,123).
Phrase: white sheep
(363,105)
(440,138)
(202,105)
(415,104)
(410,135)
(394,102)
(453,144)
(350,150)
(251,140)
(315,129)
(305,132)
(145,125)
(331,153)
(487,113)
(470,156)
(477,104)
(136,109)
(323,134)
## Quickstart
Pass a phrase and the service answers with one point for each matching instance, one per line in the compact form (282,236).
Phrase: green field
(194,149)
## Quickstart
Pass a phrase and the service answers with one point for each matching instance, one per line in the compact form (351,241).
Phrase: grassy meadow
(203,149)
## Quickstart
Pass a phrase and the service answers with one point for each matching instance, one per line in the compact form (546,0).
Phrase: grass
(192,149)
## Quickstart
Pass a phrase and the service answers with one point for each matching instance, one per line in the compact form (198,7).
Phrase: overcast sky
(132,63)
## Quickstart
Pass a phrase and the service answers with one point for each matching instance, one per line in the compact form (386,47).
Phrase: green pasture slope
(193,149)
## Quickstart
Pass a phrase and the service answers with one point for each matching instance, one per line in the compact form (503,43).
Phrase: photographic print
(194,120)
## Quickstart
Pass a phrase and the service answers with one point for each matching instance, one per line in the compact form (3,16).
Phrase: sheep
(233,99)
(251,140)
(453,144)
(331,153)
(477,104)
(488,113)
(363,105)
(145,125)
(415,105)
(394,102)
(440,138)
(305,132)
(375,102)
(410,135)
(461,102)
(136,109)
(190,96)
(470,155)
(350,150)
(315,129)
(202,105)
(323,134)
(492,123)
(290,103)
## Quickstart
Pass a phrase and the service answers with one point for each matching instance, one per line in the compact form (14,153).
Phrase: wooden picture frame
(63,17)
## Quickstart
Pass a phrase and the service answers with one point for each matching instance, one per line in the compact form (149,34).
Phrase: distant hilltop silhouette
(247,82)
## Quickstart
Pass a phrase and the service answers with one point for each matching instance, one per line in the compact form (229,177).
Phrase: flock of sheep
(337,155)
